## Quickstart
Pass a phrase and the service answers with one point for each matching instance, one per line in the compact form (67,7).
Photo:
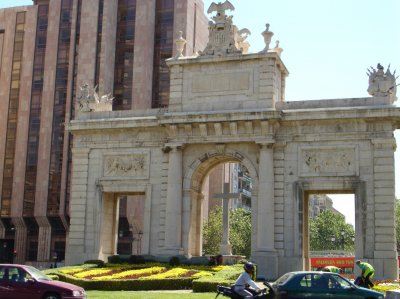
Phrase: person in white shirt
(245,280)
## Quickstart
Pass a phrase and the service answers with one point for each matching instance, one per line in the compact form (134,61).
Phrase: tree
(239,232)
(329,231)
(397,209)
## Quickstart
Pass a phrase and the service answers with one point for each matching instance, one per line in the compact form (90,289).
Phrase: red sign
(340,262)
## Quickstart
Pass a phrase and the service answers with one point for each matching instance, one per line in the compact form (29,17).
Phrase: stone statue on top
(381,83)
(224,36)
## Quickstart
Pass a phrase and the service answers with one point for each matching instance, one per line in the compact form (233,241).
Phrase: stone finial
(267,38)
(277,48)
(382,84)
(180,45)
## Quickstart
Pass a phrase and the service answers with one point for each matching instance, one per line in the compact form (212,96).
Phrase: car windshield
(38,275)
(283,278)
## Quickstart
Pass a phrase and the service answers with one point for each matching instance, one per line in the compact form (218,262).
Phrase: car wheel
(51,296)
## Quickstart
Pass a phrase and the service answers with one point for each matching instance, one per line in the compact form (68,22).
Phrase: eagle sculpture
(220,8)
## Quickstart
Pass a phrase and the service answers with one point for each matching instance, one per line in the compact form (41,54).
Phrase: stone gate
(229,106)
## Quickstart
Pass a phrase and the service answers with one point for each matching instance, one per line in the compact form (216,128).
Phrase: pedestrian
(367,272)
(332,269)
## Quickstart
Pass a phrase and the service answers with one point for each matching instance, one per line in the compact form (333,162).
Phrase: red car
(27,282)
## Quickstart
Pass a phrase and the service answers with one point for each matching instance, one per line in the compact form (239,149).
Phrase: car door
(310,286)
(5,287)
(342,289)
(21,285)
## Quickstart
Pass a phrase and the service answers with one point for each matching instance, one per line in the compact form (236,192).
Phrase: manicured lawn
(148,295)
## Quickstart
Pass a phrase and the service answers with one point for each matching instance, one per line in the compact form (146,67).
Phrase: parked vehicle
(319,285)
(266,293)
(22,282)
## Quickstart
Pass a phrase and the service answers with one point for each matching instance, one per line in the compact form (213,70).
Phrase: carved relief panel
(328,161)
(133,165)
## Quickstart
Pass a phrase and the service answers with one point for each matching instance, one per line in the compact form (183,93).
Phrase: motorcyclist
(245,280)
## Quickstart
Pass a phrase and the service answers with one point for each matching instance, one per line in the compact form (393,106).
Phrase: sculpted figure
(381,84)
(224,37)
(84,98)
(220,8)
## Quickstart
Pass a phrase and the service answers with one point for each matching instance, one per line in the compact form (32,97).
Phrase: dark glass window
(8,171)
(34,117)
(124,55)
(163,46)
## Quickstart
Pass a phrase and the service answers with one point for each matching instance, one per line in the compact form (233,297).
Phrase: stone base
(267,264)
(232,259)
(225,249)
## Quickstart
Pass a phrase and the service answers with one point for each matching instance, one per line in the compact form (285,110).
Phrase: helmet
(358,261)
(249,267)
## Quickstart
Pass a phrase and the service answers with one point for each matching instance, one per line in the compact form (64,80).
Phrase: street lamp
(342,240)
(333,239)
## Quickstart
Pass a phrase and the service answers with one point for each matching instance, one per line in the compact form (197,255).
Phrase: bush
(99,263)
(136,259)
(174,261)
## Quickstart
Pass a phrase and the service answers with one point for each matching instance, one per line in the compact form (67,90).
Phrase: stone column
(383,227)
(264,252)
(75,249)
(107,61)
(173,213)
(109,225)
(21,232)
(142,77)
(44,239)
(265,207)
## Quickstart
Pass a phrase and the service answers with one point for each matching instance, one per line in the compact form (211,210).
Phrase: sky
(328,46)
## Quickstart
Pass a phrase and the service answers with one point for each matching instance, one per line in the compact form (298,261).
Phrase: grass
(148,295)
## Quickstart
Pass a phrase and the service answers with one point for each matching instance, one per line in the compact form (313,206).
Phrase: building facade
(48,50)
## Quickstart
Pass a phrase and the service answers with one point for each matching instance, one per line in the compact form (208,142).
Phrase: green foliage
(227,277)
(329,225)
(174,261)
(239,232)
(99,263)
(397,209)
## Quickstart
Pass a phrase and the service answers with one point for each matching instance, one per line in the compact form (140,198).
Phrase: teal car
(319,285)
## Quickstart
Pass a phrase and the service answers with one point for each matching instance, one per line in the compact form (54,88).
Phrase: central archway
(194,175)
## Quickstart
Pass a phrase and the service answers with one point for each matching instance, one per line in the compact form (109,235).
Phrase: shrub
(174,261)
(137,259)
(99,263)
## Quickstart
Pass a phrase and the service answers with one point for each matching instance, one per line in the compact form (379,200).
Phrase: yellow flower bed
(93,272)
(146,271)
(72,271)
(176,272)
(201,274)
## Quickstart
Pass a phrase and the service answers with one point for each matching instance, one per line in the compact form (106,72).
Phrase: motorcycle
(360,281)
(266,293)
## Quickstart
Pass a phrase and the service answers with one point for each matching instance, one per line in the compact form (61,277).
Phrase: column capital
(172,146)
(267,143)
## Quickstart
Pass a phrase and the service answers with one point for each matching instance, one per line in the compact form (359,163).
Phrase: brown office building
(47,51)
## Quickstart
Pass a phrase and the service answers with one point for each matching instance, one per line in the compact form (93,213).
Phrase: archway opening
(330,235)
(226,221)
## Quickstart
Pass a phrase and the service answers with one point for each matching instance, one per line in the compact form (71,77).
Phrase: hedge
(226,276)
